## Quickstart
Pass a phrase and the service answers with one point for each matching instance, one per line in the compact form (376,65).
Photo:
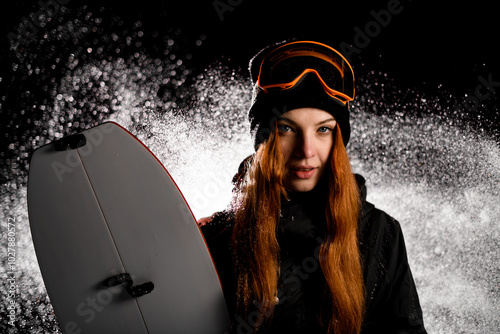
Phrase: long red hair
(256,249)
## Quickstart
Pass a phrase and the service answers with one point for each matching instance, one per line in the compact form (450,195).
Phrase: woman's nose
(305,147)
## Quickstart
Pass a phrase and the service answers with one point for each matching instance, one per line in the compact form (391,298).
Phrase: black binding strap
(126,279)
(70,142)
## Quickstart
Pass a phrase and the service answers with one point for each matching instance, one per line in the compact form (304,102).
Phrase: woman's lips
(303,172)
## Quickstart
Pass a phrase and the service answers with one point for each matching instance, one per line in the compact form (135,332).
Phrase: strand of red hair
(339,255)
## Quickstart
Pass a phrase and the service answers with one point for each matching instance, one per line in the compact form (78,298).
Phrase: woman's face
(306,137)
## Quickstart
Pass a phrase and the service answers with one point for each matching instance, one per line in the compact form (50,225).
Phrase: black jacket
(392,304)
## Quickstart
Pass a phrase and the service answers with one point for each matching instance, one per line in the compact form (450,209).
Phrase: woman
(300,250)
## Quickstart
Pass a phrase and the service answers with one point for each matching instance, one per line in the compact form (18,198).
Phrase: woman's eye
(325,129)
(284,128)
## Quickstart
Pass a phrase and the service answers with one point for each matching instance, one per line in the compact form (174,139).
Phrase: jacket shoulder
(218,223)
(381,237)
(217,231)
(374,220)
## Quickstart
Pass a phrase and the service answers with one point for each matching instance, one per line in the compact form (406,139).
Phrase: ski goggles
(284,67)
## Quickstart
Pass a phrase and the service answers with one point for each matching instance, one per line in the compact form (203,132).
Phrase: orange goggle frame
(286,65)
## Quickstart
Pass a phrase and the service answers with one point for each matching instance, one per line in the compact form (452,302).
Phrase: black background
(429,45)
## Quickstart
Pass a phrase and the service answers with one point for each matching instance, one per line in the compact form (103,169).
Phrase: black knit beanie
(267,107)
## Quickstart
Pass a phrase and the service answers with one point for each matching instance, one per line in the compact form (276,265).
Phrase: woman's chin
(301,185)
